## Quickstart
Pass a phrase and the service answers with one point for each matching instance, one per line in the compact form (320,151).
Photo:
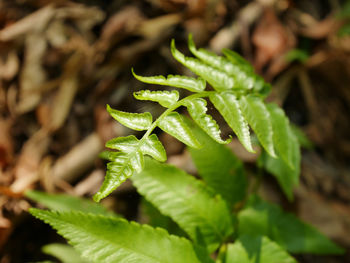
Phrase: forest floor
(62,61)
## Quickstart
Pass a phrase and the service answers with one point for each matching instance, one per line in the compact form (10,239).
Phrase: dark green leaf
(262,218)
(204,216)
(220,169)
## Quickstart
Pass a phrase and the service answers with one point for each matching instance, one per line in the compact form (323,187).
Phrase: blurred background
(62,61)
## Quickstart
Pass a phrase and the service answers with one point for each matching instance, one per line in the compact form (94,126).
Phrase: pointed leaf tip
(135,121)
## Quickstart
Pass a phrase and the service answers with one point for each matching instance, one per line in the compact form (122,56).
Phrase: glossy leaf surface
(217,78)
(135,121)
(118,171)
(165,98)
(227,104)
(258,117)
(175,126)
(184,82)
(154,148)
(197,108)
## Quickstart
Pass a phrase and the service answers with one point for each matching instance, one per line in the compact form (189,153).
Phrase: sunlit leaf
(125,144)
(226,103)
(197,108)
(184,82)
(113,240)
(135,121)
(175,126)
(164,97)
(258,117)
(153,147)
(217,78)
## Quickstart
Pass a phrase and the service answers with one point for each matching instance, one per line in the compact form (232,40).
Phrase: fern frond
(238,96)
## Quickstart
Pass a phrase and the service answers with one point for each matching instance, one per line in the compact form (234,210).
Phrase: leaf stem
(178,104)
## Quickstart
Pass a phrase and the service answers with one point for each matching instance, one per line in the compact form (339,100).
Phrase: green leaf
(63,203)
(228,106)
(220,169)
(153,147)
(258,117)
(283,137)
(107,239)
(124,144)
(118,171)
(135,121)
(184,82)
(262,218)
(165,98)
(287,177)
(203,215)
(65,253)
(258,249)
(242,80)
(197,108)
(175,126)
(303,140)
(235,58)
(217,78)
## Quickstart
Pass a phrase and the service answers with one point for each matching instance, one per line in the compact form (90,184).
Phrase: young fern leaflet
(237,93)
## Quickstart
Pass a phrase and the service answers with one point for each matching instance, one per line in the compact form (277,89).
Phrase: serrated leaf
(262,218)
(203,215)
(135,121)
(283,137)
(153,147)
(124,144)
(175,126)
(227,104)
(63,203)
(258,117)
(197,108)
(217,78)
(118,171)
(178,81)
(165,98)
(258,249)
(242,80)
(220,169)
(65,253)
(107,239)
